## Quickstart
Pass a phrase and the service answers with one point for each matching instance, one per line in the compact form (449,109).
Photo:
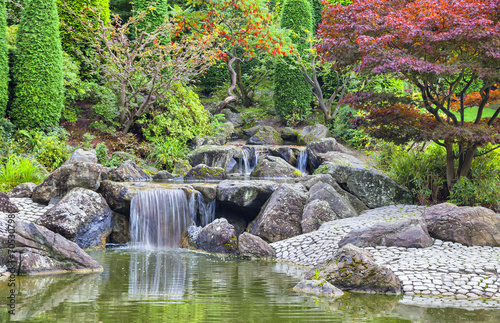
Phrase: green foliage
(179,115)
(14,9)
(38,73)
(122,8)
(213,78)
(15,170)
(4,61)
(7,129)
(292,95)
(316,7)
(157,12)
(343,128)
(101,153)
(167,150)
(71,28)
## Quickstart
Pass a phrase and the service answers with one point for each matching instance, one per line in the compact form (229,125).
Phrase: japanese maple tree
(441,47)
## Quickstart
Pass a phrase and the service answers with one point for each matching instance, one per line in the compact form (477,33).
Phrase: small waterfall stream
(206,210)
(302,162)
(158,218)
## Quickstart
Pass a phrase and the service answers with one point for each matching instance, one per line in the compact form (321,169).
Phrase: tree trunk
(450,166)
(231,97)
(464,167)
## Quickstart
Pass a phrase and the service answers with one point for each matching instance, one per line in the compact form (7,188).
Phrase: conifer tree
(4,61)
(154,17)
(38,74)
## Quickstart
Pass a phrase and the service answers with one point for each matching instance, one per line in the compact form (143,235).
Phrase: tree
(38,69)
(144,69)
(158,12)
(4,61)
(292,95)
(244,31)
(440,47)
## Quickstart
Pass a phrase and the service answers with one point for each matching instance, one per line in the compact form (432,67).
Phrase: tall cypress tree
(38,69)
(292,93)
(4,61)
(155,17)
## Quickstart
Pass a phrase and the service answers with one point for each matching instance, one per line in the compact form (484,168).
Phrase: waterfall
(158,218)
(246,162)
(206,210)
(302,162)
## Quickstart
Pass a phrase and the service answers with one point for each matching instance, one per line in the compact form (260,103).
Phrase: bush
(15,170)
(101,153)
(292,95)
(213,78)
(166,151)
(4,61)
(155,17)
(38,72)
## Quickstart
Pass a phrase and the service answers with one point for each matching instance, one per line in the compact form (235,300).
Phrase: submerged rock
(318,287)
(218,237)
(270,166)
(470,226)
(22,190)
(82,216)
(253,246)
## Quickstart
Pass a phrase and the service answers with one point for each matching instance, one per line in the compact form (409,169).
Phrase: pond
(184,286)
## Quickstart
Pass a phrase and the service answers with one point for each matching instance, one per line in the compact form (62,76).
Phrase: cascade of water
(158,218)
(246,162)
(254,162)
(206,210)
(302,162)
(193,206)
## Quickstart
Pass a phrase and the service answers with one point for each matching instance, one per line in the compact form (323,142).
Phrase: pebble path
(445,269)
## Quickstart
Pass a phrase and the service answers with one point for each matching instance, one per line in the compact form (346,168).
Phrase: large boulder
(189,237)
(162,176)
(235,118)
(81,155)
(315,214)
(82,216)
(288,153)
(288,134)
(213,156)
(207,141)
(120,234)
(181,167)
(354,269)
(316,150)
(313,133)
(218,237)
(39,251)
(340,205)
(22,190)
(372,188)
(67,177)
(248,194)
(204,172)
(265,136)
(208,190)
(6,205)
(340,158)
(253,246)
(470,226)
(270,166)
(280,218)
(117,195)
(129,172)
(405,233)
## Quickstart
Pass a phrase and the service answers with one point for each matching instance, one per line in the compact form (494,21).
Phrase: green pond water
(184,286)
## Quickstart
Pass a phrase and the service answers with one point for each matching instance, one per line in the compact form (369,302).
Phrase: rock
(204,172)
(219,237)
(470,226)
(318,287)
(406,233)
(253,246)
(265,136)
(281,216)
(339,205)
(208,141)
(67,177)
(181,167)
(270,166)
(313,133)
(213,156)
(354,269)
(316,149)
(189,236)
(163,175)
(372,188)
(247,194)
(338,158)
(6,205)
(81,155)
(117,196)
(106,172)
(209,191)
(129,172)
(120,233)
(250,132)
(82,216)
(225,130)
(39,251)
(235,118)
(315,214)
(22,190)
(237,221)
(288,153)
(288,134)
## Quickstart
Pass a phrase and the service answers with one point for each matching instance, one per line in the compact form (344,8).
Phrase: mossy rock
(265,136)
(204,172)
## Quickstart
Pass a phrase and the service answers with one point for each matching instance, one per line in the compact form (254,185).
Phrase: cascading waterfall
(302,162)
(245,168)
(158,218)
(206,210)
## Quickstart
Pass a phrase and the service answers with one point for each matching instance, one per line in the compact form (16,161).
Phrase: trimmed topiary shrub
(38,71)
(4,61)
(155,17)
(292,95)
(317,7)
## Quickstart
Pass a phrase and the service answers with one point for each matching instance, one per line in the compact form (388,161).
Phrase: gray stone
(235,118)
(82,216)
(313,133)
(67,177)
(288,153)
(253,246)
(204,172)
(189,236)
(207,141)
(213,156)
(81,155)
(316,149)
(318,287)
(265,136)
(270,166)
(339,205)
(208,190)
(470,226)
(407,233)
(218,237)
(163,175)
(39,251)
(181,167)
(6,205)
(280,218)
(288,134)
(117,195)
(248,194)
(22,190)
(316,213)
(129,172)
(120,233)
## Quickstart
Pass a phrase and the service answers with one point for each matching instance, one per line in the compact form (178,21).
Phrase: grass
(471,113)
(16,170)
